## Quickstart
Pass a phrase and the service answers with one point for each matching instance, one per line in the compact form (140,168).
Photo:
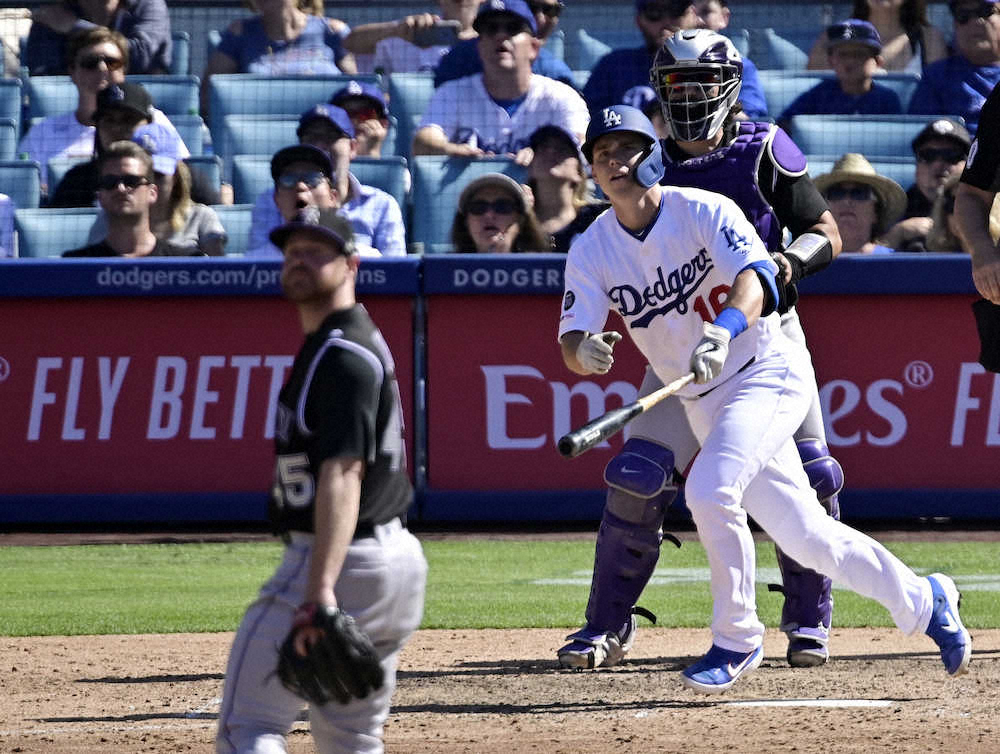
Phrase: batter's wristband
(733,320)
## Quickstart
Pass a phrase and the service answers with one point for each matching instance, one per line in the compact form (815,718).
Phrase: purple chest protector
(733,170)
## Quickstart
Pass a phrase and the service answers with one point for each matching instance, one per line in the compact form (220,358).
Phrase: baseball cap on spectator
(854,168)
(163,144)
(300,153)
(854,31)
(125,96)
(943,128)
(326,223)
(518,8)
(363,90)
(331,113)
(642,98)
(497,180)
(552,131)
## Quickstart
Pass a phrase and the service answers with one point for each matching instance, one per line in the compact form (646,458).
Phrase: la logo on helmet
(611,118)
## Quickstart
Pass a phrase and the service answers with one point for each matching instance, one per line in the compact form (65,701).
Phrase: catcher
(327,628)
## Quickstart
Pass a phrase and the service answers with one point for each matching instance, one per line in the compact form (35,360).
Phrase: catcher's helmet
(697,75)
(649,169)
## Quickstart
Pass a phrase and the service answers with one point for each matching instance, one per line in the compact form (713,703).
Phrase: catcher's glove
(341,663)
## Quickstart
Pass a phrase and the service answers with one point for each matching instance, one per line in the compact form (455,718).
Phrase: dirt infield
(500,691)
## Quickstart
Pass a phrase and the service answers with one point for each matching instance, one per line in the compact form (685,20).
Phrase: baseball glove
(341,664)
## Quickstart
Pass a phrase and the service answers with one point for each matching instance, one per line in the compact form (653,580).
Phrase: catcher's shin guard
(808,608)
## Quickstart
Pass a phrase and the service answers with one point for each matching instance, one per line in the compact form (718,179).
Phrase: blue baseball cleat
(720,669)
(946,627)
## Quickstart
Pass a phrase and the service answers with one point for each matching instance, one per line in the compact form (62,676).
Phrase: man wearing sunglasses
(126,191)
(144,23)
(463,58)
(368,108)
(959,84)
(495,112)
(375,216)
(98,58)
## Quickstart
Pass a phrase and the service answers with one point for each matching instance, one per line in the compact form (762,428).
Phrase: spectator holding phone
(368,108)
(413,43)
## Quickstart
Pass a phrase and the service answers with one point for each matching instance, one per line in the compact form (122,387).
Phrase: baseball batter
(695,288)
(698,76)
(340,495)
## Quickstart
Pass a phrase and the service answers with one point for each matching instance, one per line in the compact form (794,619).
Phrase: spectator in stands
(286,37)
(144,23)
(712,14)
(864,203)
(558,186)
(623,69)
(496,111)
(98,57)
(367,106)
(188,227)
(375,215)
(494,217)
(959,85)
(463,58)
(940,150)
(645,99)
(127,193)
(413,43)
(854,50)
(943,233)
(909,40)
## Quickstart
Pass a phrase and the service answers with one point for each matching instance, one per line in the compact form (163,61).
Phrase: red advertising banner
(906,404)
(154,394)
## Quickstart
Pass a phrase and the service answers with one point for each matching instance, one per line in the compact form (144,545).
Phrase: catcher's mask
(697,75)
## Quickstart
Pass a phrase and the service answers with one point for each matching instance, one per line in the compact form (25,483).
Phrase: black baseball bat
(600,429)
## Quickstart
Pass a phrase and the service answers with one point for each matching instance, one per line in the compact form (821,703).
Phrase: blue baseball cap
(325,223)
(517,8)
(331,113)
(364,90)
(162,144)
(856,31)
(642,98)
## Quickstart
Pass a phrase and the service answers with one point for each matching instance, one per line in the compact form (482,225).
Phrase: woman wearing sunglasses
(863,203)
(493,217)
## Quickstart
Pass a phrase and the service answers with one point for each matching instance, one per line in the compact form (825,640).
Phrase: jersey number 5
(717,301)
(295,480)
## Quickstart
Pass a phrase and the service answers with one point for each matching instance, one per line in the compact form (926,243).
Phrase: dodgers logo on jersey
(739,244)
(674,288)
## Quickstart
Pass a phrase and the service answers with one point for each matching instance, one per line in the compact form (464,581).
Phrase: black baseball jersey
(982,168)
(341,400)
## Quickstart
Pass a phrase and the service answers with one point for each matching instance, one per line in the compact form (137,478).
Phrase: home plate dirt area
(502,691)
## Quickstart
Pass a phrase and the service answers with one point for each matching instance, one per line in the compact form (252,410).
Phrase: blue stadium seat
(235,219)
(208,165)
(900,169)
(437,183)
(556,44)
(21,180)
(10,101)
(180,53)
(251,94)
(59,166)
(50,232)
(872,136)
(192,131)
(786,50)
(52,95)
(8,139)
(782,87)
(252,175)
(409,94)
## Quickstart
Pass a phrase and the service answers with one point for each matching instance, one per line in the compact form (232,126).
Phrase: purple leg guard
(623,564)
(808,606)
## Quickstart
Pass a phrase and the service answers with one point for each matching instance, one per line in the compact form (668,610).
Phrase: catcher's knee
(825,473)
(640,481)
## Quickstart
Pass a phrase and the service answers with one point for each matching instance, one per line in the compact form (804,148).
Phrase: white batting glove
(594,351)
(710,354)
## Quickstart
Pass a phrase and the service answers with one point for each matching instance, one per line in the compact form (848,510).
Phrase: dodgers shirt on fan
(667,281)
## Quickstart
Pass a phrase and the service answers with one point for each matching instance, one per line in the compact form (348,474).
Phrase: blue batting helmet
(649,169)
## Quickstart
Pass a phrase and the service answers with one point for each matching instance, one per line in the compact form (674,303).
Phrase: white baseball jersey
(467,114)
(666,281)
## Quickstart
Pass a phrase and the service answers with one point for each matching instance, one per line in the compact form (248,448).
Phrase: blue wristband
(733,320)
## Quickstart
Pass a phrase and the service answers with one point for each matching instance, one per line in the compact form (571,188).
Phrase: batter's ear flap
(649,169)
(988,324)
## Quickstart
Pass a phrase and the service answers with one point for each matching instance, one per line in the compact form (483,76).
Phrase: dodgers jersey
(667,280)
(467,114)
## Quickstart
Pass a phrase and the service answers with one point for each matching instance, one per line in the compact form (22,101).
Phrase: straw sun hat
(854,168)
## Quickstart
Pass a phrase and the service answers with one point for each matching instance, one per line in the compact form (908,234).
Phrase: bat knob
(566,446)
